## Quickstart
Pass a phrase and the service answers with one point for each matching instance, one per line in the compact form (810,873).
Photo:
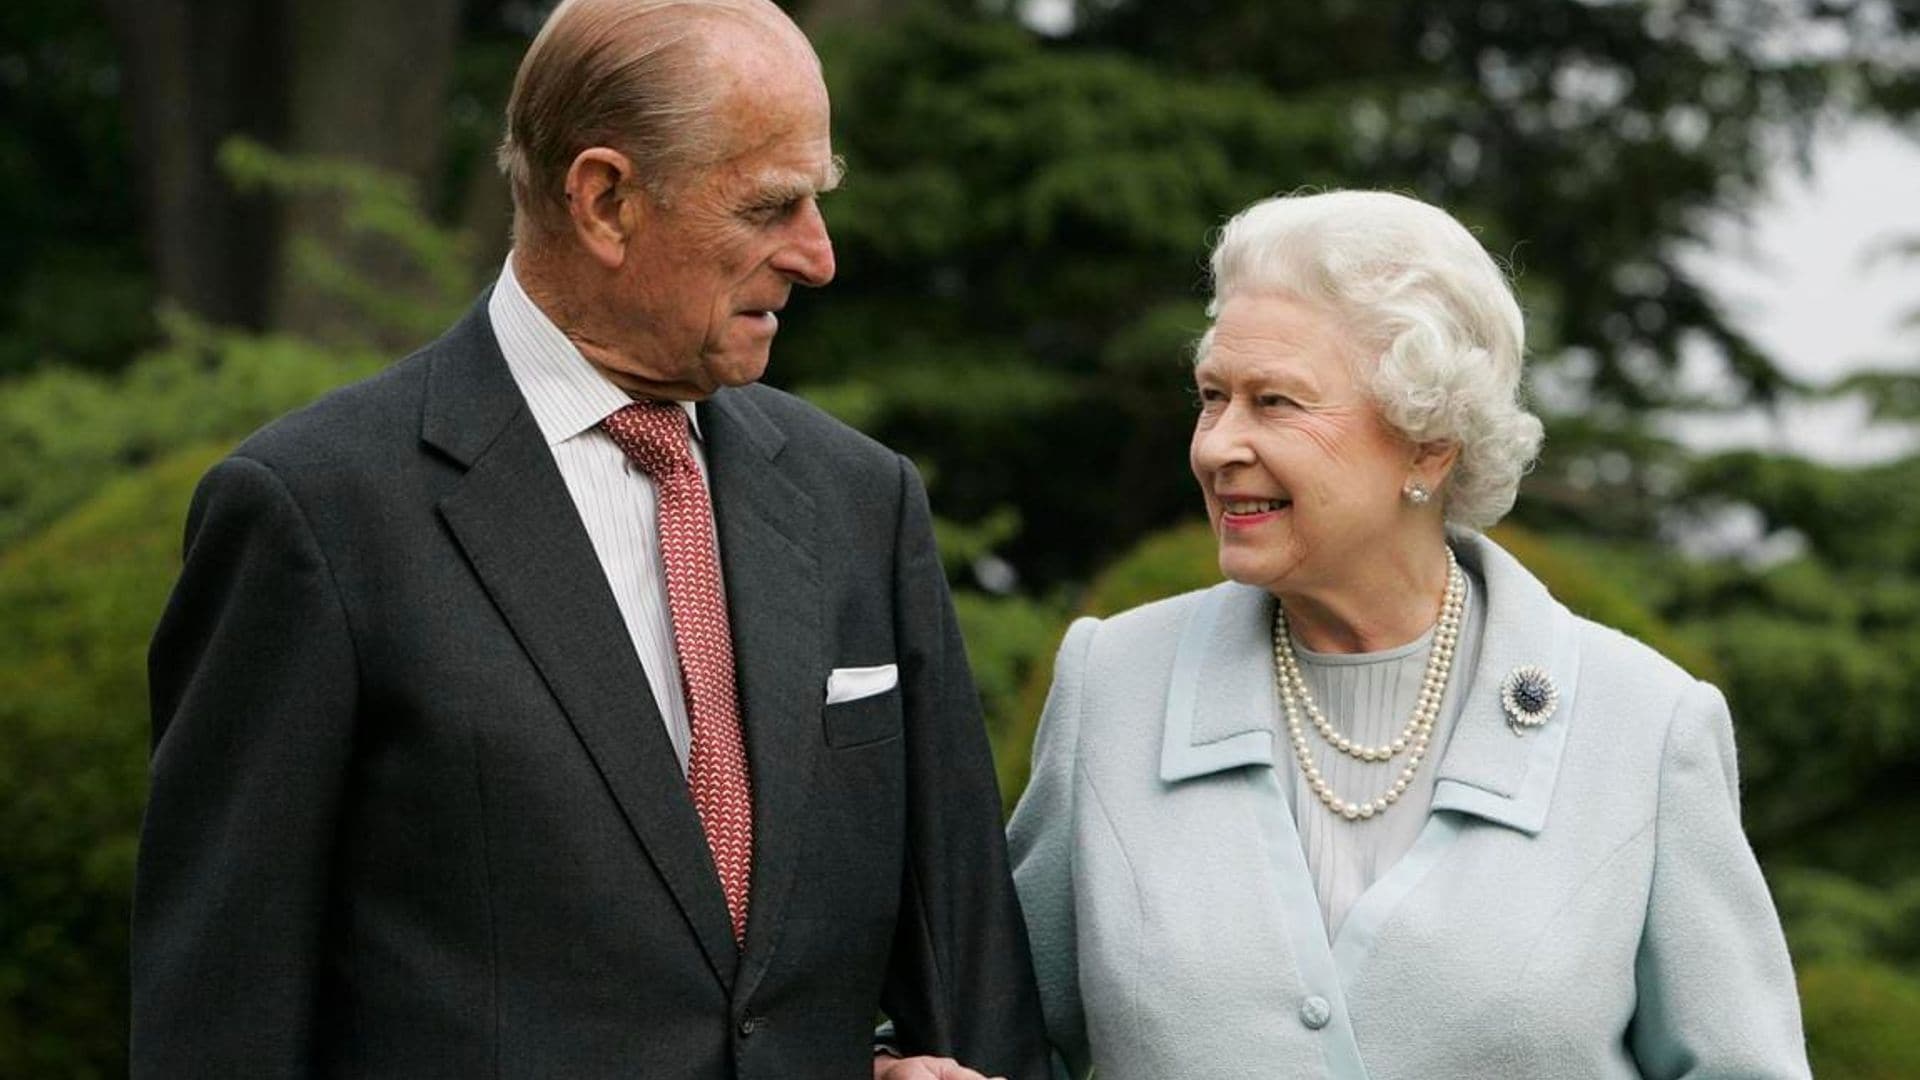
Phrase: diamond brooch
(1528,697)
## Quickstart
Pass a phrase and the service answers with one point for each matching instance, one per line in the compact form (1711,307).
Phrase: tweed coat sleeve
(1716,990)
(1041,834)
(254,682)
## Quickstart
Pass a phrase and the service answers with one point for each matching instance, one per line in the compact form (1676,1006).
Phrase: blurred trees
(361,80)
(1021,242)
(96,471)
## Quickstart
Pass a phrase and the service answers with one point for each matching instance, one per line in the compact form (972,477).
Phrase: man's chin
(738,369)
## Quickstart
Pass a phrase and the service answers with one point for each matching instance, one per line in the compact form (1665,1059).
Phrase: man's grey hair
(1420,299)
(632,75)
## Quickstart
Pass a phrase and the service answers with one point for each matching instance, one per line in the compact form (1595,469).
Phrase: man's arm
(253,685)
(960,983)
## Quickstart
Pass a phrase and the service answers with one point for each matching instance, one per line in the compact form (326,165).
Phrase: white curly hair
(1425,301)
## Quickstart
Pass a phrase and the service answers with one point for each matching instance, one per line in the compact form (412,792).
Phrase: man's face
(717,261)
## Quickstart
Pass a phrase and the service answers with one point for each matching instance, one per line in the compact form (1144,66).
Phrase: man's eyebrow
(783,187)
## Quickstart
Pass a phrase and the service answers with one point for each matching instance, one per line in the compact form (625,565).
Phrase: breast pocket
(863,721)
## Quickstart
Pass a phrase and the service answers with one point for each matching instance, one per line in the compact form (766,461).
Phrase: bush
(79,601)
(1863,1022)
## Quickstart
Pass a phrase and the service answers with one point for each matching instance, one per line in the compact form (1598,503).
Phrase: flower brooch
(1528,697)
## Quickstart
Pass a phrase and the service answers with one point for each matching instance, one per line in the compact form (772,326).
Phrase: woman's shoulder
(1151,629)
(1611,656)
(1614,668)
(1645,698)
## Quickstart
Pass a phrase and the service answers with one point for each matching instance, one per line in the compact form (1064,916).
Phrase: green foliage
(1020,240)
(1833,919)
(64,433)
(78,602)
(1021,243)
(1009,639)
(1827,714)
(1582,137)
(376,208)
(1863,1022)
(1891,395)
(73,286)
(1866,519)
(95,476)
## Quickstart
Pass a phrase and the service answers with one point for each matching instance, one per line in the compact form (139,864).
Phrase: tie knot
(654,435)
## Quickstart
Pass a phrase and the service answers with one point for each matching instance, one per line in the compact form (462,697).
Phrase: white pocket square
(854,683)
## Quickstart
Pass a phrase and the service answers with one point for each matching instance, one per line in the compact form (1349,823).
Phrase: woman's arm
(1716,990)
(1040,838)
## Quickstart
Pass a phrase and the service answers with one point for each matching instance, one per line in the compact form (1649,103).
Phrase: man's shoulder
(824,437)
(369,418)
(803,419)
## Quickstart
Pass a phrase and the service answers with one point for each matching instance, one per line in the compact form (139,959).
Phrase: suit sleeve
(253,687)
(959,982)
(1716,989)
(1040,837)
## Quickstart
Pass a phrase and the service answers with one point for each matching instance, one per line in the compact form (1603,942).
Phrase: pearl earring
(1417,493)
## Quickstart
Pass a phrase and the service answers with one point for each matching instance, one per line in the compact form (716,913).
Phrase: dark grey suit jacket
(415,814)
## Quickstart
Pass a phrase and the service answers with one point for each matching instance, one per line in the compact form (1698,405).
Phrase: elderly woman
(1378,806)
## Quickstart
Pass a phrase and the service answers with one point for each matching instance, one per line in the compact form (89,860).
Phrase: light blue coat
(1580,903)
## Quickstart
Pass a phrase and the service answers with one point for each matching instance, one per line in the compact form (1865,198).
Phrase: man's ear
(603,204)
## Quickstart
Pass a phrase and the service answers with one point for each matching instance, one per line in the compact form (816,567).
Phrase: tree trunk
(195,72)
(357,80)
(368,83)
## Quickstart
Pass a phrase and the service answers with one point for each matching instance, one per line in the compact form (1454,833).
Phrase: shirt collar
(565,393)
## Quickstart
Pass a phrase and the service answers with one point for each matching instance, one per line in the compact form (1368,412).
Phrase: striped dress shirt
(617,500)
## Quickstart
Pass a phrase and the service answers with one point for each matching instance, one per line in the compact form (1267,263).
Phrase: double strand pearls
(1412,740)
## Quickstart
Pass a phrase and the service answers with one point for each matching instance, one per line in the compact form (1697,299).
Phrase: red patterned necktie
(654,435)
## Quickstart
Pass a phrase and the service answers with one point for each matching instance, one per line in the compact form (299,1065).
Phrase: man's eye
(771,212)
(1274,401)
(1209,395)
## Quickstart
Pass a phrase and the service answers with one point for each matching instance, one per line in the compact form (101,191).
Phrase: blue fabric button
(1315,1012)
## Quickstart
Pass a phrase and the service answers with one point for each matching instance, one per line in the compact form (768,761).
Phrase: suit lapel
(517,525)
(769,560)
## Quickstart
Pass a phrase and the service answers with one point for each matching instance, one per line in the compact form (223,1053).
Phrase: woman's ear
(600,203)
(1433,462)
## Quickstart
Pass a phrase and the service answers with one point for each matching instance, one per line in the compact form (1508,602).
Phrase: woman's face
(1301,474)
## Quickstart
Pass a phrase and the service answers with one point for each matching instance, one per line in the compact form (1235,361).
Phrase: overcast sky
(1804,284)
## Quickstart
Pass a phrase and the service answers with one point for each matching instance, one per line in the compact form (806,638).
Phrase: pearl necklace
(1411,740)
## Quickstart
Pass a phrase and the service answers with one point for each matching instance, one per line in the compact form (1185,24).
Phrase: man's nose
(808,256)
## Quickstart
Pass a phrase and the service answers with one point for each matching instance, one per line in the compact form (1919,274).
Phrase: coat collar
(1222,712)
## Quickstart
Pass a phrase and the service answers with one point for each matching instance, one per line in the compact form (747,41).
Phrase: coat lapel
(768,552)
(1221,712)
(517,525)
(1487,769)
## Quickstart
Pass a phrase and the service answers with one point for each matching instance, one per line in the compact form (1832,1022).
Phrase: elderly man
(559,703)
